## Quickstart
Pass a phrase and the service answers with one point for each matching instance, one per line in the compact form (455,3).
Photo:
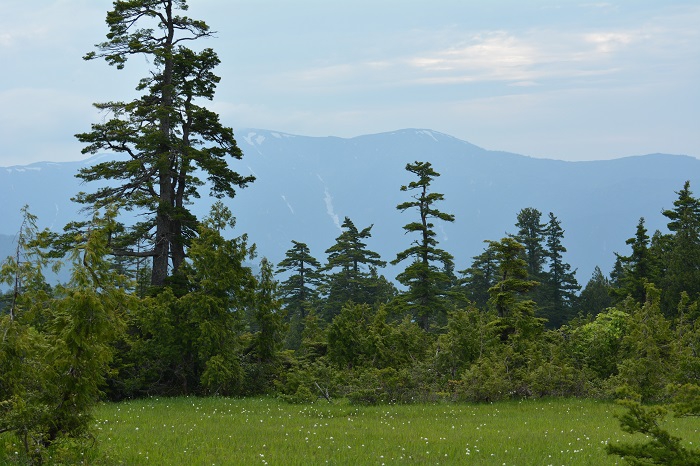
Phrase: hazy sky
(572,80)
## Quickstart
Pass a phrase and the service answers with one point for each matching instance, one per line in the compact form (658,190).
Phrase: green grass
(220,431)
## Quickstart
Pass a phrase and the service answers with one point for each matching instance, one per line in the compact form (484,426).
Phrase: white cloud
(607,42)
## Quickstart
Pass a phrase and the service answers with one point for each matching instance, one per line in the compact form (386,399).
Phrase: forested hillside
(179,303)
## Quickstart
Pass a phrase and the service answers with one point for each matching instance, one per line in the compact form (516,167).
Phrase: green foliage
(531,234)
(560,285)
(509,296)
(490,378)
(467,338)
(636,268)
(56,347)
(686,342)
(262,359)
(686,399)
(596,345)
(187,338)
(298,291)
(355,278)
(646,348)
(166,135)
(427,283)
(595,297)
(348,340)
(661,448)
(682,273)
(480,277)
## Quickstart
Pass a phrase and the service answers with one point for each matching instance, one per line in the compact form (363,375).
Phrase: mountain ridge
(306,185)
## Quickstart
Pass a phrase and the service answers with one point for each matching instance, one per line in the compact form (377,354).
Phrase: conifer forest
(175,305)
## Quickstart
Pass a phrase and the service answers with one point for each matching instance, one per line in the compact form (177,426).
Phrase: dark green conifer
(427,281)
(480,277)
(559,294)
(683,260)
(353,270)
(166,137)
(595,296)
(636,268)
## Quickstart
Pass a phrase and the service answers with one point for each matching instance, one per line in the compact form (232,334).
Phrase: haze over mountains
(306,185)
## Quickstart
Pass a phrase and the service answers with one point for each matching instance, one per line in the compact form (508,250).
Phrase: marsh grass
(221,431)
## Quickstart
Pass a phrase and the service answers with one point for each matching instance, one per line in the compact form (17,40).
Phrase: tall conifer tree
(636,269)
(683,263)
(426,281)
(561,284)
(531,234)
(165,136)
(299,289)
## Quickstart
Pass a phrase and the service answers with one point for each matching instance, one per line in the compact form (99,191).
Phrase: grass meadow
(262,431)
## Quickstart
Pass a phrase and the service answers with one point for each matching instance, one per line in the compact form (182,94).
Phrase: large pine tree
(165,136)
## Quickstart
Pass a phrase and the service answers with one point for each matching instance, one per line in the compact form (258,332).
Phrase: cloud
(512,57)
(607,42)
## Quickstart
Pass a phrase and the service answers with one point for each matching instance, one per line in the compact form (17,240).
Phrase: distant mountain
(306,185)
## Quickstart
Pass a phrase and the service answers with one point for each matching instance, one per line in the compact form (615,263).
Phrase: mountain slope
(307,185)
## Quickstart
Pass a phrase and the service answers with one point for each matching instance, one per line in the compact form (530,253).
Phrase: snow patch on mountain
(328,199)
(284,198)
(427,133)
(254,139)
(22,169)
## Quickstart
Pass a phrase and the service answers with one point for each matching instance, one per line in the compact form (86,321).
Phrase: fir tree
(268,330)
(636,268)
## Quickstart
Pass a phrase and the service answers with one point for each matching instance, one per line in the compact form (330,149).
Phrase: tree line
(172,305)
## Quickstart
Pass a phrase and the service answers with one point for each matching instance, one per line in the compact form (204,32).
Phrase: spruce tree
(683,261)
(425,276)
(531,234)
(561,284)
(166,137)
(636,268)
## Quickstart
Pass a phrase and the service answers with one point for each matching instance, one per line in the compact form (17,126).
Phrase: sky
(568,80)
